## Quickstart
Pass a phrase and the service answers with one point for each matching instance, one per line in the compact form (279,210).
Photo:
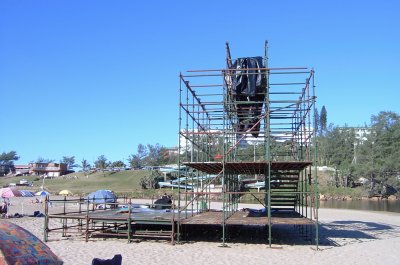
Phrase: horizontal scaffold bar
(283,73)
(211,85)
(285,93)
(242,69)
(285,84)
(236,73)
(226,192)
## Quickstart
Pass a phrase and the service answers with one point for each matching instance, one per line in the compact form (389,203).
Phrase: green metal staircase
(284,187)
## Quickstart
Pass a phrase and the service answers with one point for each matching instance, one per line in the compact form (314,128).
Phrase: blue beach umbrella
(102,196)
(42,193)
(26,193)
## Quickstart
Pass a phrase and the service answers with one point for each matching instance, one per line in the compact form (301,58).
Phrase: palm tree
(85,165)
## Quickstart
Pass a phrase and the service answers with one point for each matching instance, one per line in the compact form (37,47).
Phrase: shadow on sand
(340,233)
(336,233)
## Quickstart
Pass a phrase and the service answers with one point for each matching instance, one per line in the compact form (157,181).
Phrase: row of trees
(371,152)
(151,155)
(146,155)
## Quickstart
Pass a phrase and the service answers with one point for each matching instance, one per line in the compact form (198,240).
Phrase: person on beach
(4,209)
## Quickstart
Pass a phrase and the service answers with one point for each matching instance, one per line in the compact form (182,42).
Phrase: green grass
(122,182)
(128,183)
(342,191)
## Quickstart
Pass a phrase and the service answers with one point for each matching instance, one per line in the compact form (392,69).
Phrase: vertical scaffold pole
(224,214)
(316,201)
(87,221)
(46,219)
(173,223)
(268,144)
(178,229)
(64,220)
(129,221)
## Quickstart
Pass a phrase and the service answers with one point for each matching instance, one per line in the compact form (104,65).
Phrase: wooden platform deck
(112,215)
(242,218)
(205,218)
(247,167)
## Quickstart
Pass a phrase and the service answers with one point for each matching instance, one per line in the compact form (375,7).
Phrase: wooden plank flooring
(205,218)
(241,218)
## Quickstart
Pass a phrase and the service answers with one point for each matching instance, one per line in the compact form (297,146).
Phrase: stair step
(281,209)
(287,181)
(282,204)
(274,173)
(283,196)
(152,234)
(285,178)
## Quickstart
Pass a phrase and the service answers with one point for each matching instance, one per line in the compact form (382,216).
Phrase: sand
(347,237)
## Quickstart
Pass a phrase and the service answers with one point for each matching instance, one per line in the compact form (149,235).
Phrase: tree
(142,151)
(321,130)
(85,165)
(151,182)
(323,120)
(340,143)
(336,149)
(7,162)
(136,160)
(168,156)
(379,154)
(8,158)
(117,164)
(101,162)
(70,161)
(154,155)
(151,155)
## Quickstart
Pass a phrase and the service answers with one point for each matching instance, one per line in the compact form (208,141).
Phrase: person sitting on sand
(3,209)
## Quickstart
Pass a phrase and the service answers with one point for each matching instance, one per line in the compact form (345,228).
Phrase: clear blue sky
(90,78)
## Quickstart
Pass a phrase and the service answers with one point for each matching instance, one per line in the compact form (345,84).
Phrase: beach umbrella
(26,193)
(65,192)
(42,193)
(10,192)
(102,196)
(19,246)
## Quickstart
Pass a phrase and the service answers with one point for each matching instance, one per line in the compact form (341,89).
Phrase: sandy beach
(346,236)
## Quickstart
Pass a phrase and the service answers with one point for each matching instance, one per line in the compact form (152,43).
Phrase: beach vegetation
(369,153)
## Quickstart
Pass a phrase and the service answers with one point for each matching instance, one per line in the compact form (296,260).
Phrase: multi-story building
(48,169)
(22,170)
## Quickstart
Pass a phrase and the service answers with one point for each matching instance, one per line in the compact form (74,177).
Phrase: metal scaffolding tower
(248,131)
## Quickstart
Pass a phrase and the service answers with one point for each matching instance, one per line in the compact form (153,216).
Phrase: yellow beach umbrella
(65,192)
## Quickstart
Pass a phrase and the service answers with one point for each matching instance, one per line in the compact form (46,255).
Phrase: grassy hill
(122,182)
(128,183)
